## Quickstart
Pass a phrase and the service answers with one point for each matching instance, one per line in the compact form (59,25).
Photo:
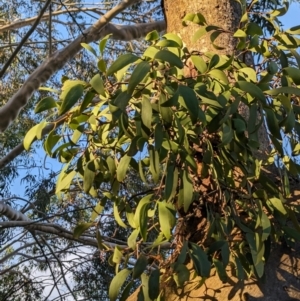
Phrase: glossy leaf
(121,62)
(45,104)
(71,93)
(171,58)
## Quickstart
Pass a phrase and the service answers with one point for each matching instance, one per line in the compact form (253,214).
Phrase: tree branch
(24,39)
(45,17)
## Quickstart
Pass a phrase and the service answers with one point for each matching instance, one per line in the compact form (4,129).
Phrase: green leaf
(154,164)
(168,56)
(240,34)
(103,42)
(220,270)
(116,284)
(203,31)
(117,256)
(140,266)
(121,62)
(199,257)
(293,233)
(158,136)
(131,240)
(89,176)
(218,74)
(45,104)
(79,229)
(227,135)
(145,287)
(173,37)
(199,63)
(187,190)
(138,74)
(182,256)
(117,216)
(89,48)
(252,89)
(166,219)
(97,83)
(266,226)
(39,129)
(30,137)
(71,92)
(254,29)
(126,291)
(152,36)
(101,65)
(277,204)
(154,284)
(294,73)
(195,18)
(272,123)
(143,221)
(283,90)
(97,210)
(257,252)
(188,99)
(169,184)
(50,142)
(65,182)
(146,113)
(123,167)
(141,215)
(239,269)
(182,274)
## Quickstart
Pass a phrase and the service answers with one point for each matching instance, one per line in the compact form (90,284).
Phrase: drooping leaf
(154,284)
(187,190)
(168,56)
(116,284)
(122,167)
(140,266)
(79,229)
(200,260)
(45,104)
(138,74)
(252,89)
(97,83)
(71,93)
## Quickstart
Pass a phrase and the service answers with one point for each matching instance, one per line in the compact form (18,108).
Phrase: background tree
(177,125)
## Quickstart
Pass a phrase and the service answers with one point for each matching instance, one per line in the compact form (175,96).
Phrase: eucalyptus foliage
(186,135)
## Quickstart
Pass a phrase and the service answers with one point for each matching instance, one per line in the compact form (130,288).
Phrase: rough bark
(223,13)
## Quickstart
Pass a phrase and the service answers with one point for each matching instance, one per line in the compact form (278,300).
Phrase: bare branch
(45,17)
(24,39)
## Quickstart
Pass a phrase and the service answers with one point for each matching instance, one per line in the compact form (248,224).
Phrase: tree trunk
(223,13)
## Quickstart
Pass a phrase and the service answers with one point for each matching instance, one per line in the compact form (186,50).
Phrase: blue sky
(292,17)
